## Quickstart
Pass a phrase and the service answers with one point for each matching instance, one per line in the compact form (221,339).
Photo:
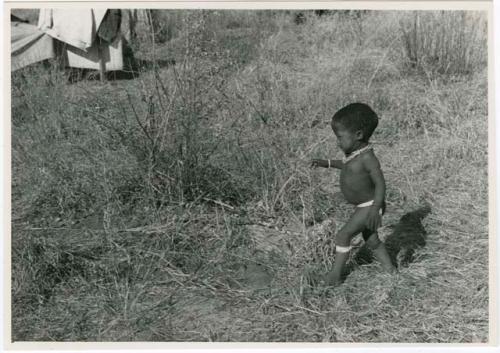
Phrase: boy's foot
(327,291)
(383,257)
(332,280)
(390,268)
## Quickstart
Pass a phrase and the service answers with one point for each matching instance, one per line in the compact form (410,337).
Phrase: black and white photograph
(249,175)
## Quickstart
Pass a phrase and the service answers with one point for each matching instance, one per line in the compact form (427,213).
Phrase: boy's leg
(343,241)
(334,277)
(379,250)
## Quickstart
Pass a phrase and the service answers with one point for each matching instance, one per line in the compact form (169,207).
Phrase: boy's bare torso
(355,181)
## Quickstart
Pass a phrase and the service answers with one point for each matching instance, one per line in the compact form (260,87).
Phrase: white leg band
(342,249)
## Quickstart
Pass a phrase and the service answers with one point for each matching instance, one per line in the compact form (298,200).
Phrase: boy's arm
(327,163)
(372,164)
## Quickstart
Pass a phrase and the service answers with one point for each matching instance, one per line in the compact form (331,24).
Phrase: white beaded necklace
(356,153)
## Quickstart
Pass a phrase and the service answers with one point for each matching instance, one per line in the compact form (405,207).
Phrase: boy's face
(347,140)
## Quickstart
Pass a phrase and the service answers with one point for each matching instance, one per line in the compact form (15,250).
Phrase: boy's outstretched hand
(316,163)
(373,221)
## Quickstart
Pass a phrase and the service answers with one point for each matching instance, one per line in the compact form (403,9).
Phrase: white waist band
(369,203)
(365,204)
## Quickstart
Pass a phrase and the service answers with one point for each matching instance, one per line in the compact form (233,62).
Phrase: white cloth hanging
(28,45)
(76,27)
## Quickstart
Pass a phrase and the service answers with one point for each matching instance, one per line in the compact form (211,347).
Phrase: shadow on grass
(133,67)
(132,72)
(407,236)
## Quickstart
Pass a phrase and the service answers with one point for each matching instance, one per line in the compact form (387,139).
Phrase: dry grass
(449,43)
(180,206)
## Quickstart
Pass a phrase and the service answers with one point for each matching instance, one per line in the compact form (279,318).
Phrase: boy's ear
(359,135)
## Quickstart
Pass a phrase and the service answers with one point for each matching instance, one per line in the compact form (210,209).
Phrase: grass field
(180,205)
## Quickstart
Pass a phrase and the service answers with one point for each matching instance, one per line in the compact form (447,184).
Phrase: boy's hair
(357,116)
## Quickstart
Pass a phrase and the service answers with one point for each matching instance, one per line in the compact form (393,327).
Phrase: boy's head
(358,118)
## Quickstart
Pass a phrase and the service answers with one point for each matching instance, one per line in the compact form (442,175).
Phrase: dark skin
(361,180)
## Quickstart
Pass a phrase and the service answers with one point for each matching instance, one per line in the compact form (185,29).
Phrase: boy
(361,182)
